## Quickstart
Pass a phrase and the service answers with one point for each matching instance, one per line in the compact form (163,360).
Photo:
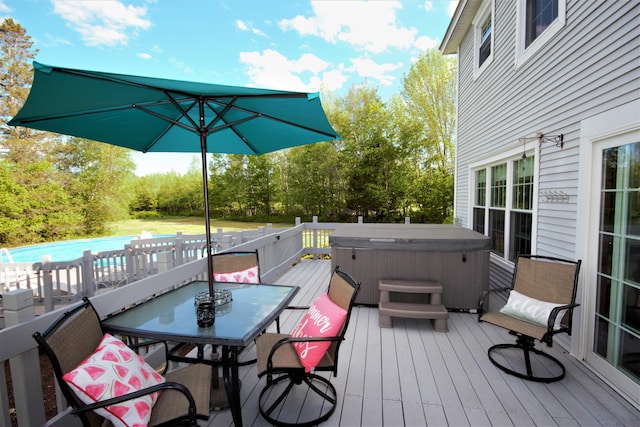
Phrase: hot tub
(456,257)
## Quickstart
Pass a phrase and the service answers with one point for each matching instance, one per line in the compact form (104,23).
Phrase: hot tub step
(436,312)
(431,287)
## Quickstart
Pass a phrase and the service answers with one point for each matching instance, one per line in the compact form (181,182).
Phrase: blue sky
(300,45)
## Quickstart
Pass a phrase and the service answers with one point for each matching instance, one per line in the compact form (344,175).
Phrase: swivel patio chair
(290,361)
(103,379)
(230,266)
(540,305)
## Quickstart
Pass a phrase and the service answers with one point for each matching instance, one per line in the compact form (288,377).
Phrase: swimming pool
(69,249)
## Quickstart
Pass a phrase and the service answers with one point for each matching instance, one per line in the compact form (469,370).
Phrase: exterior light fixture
(558,140)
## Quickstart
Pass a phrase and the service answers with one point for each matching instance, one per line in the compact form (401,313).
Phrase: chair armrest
(554,313)
(153,389)
(297,307)
(483,297)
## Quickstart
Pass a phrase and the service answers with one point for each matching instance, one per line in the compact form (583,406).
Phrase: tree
(70,186)
(99,177)
(16,53)
(44,210)
(261,189)
(371,151)
(429,97)
(315,181)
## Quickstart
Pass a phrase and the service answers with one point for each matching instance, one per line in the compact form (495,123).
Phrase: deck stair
(434,310)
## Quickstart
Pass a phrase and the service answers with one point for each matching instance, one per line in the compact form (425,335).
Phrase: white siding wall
(590,66)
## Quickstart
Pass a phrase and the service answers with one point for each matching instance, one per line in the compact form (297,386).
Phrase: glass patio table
(172,317)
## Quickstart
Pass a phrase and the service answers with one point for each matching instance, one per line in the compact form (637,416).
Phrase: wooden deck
(411,375)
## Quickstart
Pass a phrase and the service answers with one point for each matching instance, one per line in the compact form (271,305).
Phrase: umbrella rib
(165,118)
(183,110)
(220,117)
(267,116)
(71,114)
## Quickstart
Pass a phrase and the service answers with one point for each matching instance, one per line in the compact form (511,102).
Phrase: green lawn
(186,225)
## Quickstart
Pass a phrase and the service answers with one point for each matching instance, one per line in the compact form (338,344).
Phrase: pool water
(69,249)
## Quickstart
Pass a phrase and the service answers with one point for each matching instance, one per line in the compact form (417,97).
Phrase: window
(537,22)
(522,207)
(483,33)
(539,15)
(497,205)
(504,210)
(485,40)
(480,200)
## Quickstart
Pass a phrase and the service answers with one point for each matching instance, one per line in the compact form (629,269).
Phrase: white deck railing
(131,278)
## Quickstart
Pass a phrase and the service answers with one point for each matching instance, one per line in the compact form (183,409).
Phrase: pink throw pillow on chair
(250,275)
(323,319)
(113,370)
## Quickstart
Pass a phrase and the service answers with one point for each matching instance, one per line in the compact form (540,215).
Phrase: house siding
(590,66)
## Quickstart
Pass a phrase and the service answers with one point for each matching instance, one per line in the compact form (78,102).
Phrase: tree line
(395,159)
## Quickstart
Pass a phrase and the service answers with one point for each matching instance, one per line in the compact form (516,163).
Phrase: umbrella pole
(203,151)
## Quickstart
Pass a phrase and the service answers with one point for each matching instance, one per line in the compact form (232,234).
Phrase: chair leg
(317,384)
(526,344)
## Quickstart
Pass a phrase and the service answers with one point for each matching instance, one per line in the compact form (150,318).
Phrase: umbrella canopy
(160,115)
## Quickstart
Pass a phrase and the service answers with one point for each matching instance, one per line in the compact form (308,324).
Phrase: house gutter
(459,25)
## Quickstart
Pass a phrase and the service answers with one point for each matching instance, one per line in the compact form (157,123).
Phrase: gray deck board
(411,375)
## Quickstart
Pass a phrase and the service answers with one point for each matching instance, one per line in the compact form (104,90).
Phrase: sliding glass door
(616,326)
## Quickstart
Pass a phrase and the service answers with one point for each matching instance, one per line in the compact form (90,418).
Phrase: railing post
(47,285)
(298,221)
(407,220)
(88,274)
(25,368)
(360,220)
(165,261)
(226,241)
(179,249)
(131,267)
(315,238)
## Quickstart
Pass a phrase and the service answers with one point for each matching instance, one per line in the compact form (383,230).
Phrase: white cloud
(145,56)
(241,25)
(333,79)
(272,69)
(428,5)
(368,68)
(366,25)
(103,23)
(53,40)
(248,26)
(4,8)
(181,65)
(423,43)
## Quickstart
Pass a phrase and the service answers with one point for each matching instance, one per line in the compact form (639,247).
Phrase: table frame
(231,346)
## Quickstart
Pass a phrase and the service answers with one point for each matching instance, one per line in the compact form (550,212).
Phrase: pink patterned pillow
(323,319)
(111,371)
(250,275)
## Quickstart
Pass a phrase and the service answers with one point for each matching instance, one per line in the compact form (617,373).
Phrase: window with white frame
(503,205)
(483,25)
(537,22)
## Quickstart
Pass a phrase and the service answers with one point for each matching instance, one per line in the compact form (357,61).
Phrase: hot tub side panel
(463,275)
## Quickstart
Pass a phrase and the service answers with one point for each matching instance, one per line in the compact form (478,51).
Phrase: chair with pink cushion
(236,266)
(290,361)
(103,379)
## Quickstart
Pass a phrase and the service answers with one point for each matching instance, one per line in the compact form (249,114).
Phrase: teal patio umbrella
(160,115)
